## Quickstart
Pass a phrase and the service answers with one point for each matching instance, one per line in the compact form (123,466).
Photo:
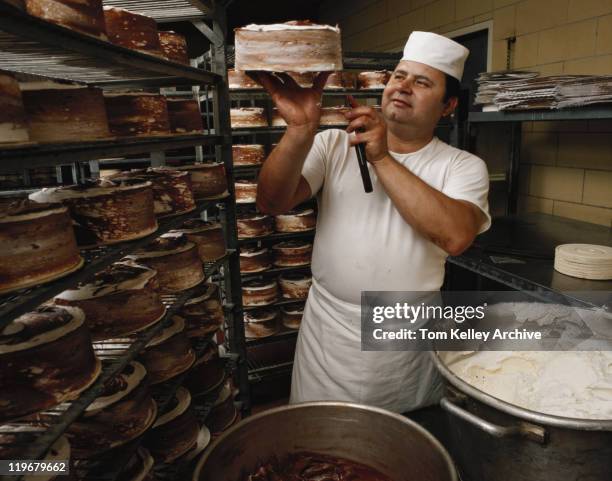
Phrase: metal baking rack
(31,45)
(259,371)
(283,335)
(13,158)
(119,353)
(274,271)
(278,236)
(256,94)
(18,303)
(167,10)
(276,130)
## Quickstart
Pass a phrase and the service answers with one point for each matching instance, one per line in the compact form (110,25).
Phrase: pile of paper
(521,90)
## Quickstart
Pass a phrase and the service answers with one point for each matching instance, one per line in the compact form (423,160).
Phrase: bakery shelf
(20,302)
(518,252)
(582,113)
(280,236)
(277,130)
(256,94)
(32,46)
(259,372)
(166,10)
(108,466)
(280,336)
(13,158)
(118,356)
(274,271)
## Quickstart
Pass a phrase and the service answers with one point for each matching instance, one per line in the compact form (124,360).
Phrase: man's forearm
(280,175)
(449,223)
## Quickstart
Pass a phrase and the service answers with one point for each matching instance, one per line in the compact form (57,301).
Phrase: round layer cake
(334,115)
(137,114)
(46,358)
(64,113)
(297,220)
(174,47)
(176,431)
(207,235)
(294,285)
(37,244)
(248,117)
(13,119)
(248,154)
(254,259)
(132,30)
(260,322)
(121,300)
(85,16)
(246,191)
(292,253)
(203,313)
(291,316)
(169,353)
(341,80)
(259,293)
(373,80)
(296,46)
(207,373)
(254,225)
(17,439)
(184,116)
(138,467)
(237,79)
(208,180)
(123,412)
(223,413)
(176,261)
(106,212)
(172,191)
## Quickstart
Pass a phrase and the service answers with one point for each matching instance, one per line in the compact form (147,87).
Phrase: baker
(429,201)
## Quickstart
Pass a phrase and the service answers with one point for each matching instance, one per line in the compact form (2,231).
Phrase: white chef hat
(436,51)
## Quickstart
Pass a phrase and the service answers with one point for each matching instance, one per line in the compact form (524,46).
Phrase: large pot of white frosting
(529,415)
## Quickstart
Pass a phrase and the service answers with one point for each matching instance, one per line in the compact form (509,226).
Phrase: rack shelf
(277,130)
(14,158)
(256,94)
(274,271)
(518,251)
(278,236)
(583,113)
(33,46)
(167,10)
(18,303)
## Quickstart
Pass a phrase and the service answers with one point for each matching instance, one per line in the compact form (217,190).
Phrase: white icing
(253,253)
(57,194)
(293,311)
(132,381)
(162,253)
(257,147)
(32,215)
(93,290)
(210,290)
(290,248)
(562,383)
(76,321)
(213,226)
(305,281)
(302,213)
(283,26)
(177,326)
(249,288)
(246,111)
(265,316)
(214,165)
(184,401)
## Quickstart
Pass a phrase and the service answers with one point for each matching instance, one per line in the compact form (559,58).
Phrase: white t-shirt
(362,242)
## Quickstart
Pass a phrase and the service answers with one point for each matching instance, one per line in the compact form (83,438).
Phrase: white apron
(330,366)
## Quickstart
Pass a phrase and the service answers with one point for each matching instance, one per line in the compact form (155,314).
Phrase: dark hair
(452,89)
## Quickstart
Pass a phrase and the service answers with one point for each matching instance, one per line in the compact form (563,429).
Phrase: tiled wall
(566,167)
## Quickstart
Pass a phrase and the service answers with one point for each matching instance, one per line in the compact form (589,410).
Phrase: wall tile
(395,8)
(439,13)
(504,20)
(604,35)
(601,65)
(527,204)
(585,213)
(585,150)
(536,15)
(471,8)
(414,20)
(581,9)
(539,148)
(556,183)
(598,188)
(526,50)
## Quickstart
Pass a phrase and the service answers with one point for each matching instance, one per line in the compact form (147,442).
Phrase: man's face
(414,95)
